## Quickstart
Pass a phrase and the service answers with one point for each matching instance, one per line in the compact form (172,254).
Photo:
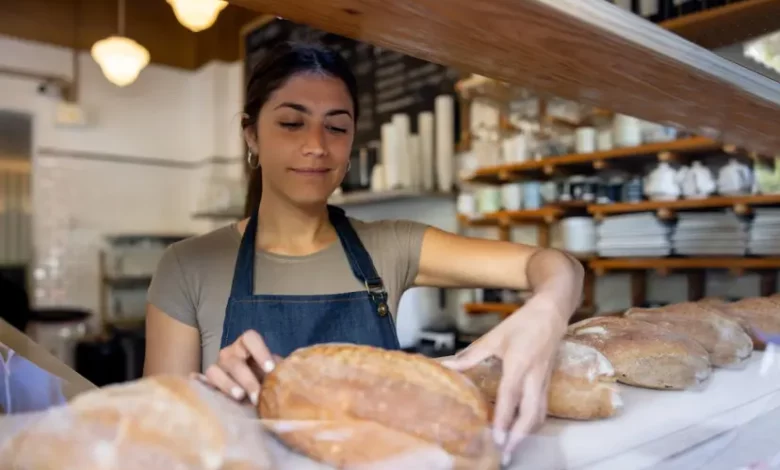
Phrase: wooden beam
(588,51)
(730,24)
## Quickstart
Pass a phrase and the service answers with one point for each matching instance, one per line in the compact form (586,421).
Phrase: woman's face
(304,138)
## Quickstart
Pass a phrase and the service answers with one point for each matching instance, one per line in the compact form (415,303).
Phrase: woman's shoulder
(223,241)
(378,233)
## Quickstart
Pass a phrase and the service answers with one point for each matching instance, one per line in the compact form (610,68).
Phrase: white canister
(512,196)
(467,204)
(578,235)
(628,131)
(604,140)
(585,140)
(489,199)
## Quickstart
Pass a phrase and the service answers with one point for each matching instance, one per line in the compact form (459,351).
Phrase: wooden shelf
(729,24)
(355,198)
(545,215)
(507,309)
(664,265)
(593,161)
(607,57)
(666,209)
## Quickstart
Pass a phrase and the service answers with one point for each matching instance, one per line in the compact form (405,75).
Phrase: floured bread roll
(759,316)
(582,385)
(644,354)
(351,405)
(160,422)
(724,338)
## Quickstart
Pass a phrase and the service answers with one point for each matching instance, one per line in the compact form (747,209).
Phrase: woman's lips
(310,171)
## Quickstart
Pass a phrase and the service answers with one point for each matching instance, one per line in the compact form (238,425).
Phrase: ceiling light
(197,15)
(121,59)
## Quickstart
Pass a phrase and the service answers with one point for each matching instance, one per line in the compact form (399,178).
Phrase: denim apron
(288,322)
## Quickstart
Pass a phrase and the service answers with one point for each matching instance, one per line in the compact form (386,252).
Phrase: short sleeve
(409,237)
(169,290)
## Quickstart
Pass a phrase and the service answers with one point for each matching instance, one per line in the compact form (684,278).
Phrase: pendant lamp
(197,15)
(120,58)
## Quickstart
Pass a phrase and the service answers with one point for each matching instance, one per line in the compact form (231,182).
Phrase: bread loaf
(352,405)
(644,354)
(159,422)
(724,338)
(759,316)
(582,385)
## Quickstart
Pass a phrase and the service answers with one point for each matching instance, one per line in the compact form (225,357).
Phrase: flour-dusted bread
(759,316)
(351,405)
(724,338)
(644,354)
(154,423)
(582,385)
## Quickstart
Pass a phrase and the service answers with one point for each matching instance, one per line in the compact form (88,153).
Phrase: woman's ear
(250,137)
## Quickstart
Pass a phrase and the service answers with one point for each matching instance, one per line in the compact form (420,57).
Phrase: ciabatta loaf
(351,405)
(724,338)
(582,385)
(644,354)
(759,316)
(161,422)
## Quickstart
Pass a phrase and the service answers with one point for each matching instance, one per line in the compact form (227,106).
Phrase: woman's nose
(314,144)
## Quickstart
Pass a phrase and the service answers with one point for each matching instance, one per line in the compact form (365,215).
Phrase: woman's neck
(289,229)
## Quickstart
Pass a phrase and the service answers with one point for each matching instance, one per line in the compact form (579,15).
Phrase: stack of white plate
(633,235)
(710,234)
(764,236)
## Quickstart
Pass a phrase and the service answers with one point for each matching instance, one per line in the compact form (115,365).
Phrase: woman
(299,272)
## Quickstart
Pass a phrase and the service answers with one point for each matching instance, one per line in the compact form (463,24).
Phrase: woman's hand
(239,367)
(527,343)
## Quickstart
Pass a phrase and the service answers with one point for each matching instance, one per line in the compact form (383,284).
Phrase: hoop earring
(254,165)
(349,165)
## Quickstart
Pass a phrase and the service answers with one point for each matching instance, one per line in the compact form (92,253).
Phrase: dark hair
(281,63)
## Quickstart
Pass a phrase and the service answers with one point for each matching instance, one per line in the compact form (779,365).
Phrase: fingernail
(237,392)
(268,366)
(254,397)
(499,437)
(506,458)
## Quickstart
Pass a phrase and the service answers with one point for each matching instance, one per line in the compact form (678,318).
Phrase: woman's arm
(172,347)
(449,260)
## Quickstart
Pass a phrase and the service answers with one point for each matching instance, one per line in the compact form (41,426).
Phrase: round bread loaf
(759,316)
(351,405)
(645,354)
(160,422)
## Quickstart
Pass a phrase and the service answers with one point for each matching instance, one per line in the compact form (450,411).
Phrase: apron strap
(359,259)
(244,271)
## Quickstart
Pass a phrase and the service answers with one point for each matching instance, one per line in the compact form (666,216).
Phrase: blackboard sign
(388,82)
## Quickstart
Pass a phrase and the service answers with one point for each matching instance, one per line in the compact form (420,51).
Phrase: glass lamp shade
(197,15)
(120,59)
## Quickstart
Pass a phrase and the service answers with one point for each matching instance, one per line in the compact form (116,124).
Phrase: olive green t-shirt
(193,279)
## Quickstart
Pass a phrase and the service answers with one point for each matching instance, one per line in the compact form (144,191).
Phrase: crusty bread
(382,403)
(756,315)
(644,354)
(724,338)
(157,422)
(582,385)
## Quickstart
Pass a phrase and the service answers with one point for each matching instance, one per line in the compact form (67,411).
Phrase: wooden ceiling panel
(587,51)
(150,22)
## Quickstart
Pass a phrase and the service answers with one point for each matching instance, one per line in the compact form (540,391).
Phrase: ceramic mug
(532,196)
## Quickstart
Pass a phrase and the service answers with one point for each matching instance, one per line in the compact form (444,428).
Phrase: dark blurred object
(13,296)
(101,361)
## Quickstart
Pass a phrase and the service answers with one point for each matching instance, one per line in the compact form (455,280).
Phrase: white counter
(667,429)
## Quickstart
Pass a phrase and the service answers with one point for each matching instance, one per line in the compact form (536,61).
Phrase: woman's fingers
(222,381)
(258,351)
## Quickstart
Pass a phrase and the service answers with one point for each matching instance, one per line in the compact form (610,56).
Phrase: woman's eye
(340,130)
(291,125)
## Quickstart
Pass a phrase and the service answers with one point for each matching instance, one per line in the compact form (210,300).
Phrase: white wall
(175,118)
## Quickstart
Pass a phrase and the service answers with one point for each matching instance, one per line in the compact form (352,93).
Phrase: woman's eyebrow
(303,109)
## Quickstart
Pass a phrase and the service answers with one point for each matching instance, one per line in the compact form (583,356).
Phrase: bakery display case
(688,385)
